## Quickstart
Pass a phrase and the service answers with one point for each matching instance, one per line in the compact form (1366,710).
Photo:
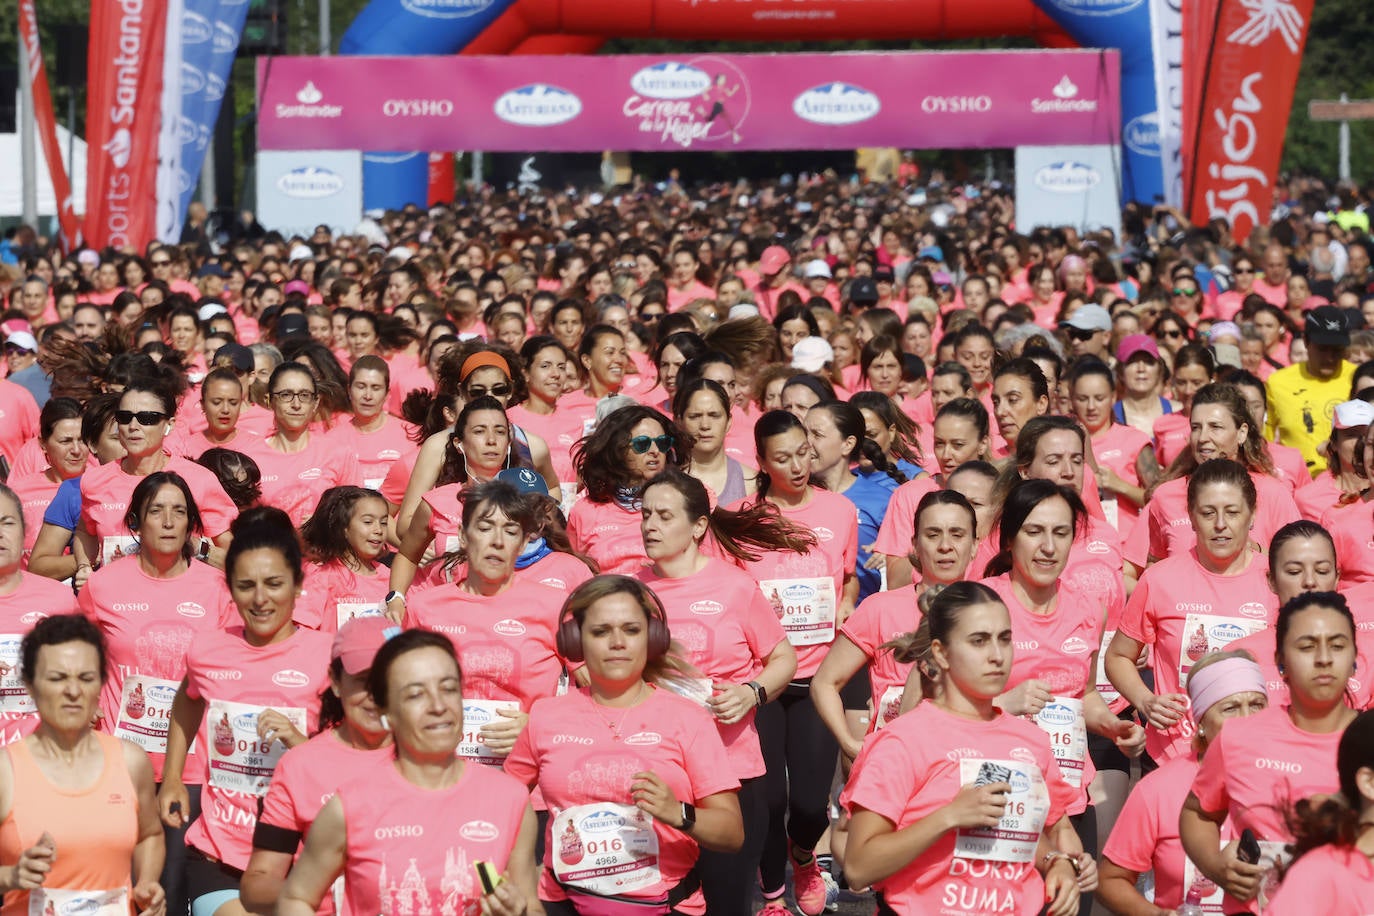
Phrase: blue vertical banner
(209,40)
(411,27)
(1125,25)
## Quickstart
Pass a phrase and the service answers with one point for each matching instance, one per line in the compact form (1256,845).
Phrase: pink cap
(296,286)
(357,642)
(775,258)
(1136,343)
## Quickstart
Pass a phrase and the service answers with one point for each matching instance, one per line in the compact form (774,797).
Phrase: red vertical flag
(122,121)
(1246,91)
(47,124)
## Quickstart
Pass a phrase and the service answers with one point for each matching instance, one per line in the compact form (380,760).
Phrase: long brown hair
(744,534)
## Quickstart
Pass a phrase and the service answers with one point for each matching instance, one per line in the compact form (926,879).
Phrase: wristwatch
(395,596)
(689,817)
(760,695)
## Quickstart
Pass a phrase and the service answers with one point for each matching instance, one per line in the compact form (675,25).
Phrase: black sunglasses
(641,444)
(144,417)
(1081,334)
(501,390)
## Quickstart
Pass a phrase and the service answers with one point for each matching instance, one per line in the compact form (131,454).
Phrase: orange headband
(484,358)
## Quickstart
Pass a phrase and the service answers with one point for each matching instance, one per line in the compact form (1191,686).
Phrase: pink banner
(708,102)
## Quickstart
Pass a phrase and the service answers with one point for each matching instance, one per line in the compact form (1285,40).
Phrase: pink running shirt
(720,619)
(835,522)
(1257,771)
(569,750)
(222,668)
(917,764)
(413,850)
(149,625)
(1183,612)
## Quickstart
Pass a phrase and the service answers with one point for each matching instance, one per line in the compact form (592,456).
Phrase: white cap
(1350,414)
(88,257)
(810,354)
(742,310)
(211,309)
(302,253)
(400,253)
(816,268)
(22,339)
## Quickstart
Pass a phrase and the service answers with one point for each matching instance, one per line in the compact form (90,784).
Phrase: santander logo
(290,677)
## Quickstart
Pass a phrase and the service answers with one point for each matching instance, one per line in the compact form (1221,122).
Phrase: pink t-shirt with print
(720,619)
(149,625)
(881,617)
(609,535)
(568,750)
(222,667)
(412,850)
(835,522)
(1183,611)
(915,766)
(1257,772)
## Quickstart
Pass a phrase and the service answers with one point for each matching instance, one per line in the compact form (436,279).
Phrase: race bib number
(14,696)
(1028,805)
(240,760)
(1063,720)
(145,710)
(889,705)
(1111,511)
(347,610)
(54,901)
(115,546)
(477,713)
(605,849)
(1195,882)
(1203,633)
(1105,688)
(806,608)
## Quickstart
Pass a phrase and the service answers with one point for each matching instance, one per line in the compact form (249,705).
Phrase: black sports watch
(689,817)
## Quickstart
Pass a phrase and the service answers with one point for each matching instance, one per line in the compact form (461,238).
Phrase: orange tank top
(95,829)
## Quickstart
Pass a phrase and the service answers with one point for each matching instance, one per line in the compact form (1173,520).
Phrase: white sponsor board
(300,189)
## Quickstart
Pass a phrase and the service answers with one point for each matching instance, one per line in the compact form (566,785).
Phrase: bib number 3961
(240,760)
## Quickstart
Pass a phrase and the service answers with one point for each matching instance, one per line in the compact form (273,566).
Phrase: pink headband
(1218,681)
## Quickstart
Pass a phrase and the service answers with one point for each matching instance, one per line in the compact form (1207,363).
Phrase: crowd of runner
(693,551)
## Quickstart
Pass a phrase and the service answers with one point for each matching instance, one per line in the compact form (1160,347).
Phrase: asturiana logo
(836,103)
(445,9)
(1096,7)
(1141,134)
(537,105)
(195,28)
(1067,177)
(670,80)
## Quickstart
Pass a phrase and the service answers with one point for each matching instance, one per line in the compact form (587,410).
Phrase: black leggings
(204,876)
(174,870)
(800,754)
(727,878)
